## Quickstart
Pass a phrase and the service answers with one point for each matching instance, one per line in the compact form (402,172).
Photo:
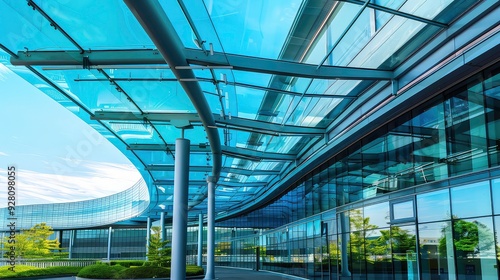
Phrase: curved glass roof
(275,76)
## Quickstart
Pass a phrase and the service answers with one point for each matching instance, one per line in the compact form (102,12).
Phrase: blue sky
(59,157)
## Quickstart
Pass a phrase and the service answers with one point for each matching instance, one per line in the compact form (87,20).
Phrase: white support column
(148,235)
(180,213)
(210,275)
(344,237)
(110,230)
(200,240)
(162,226)
(71,240)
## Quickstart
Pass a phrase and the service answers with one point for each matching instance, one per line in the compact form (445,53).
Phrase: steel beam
(398,13)
(107,59)
(239,171)
(169,147)
(256,155)
(220,183)
(263,127)
(228,151)
(155,22)
(153,117)
(232,123)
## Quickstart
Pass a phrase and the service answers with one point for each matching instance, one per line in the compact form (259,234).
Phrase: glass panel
(250,101)
(158,96)
(433,206)
(374,164)
(403,210)
(429,126)
(404,248)
(471,201)
(465,129)
(134,132)
(339,23)
(436,251)
(91,89)
(377,215)
(400,145)
(495,188)
(242,26)
(475,249)
(181,25)
(108,25)
(357,242)
(267,143)
(492,107)
(24,27)
(378,254)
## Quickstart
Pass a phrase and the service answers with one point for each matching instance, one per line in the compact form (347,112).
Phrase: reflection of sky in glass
(403,210)
(109,25)
(242,26)
(432,232)
(433,206)
(495,187)
(378,214)
(472,200)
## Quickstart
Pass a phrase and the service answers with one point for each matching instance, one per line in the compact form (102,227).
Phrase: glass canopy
(275,75)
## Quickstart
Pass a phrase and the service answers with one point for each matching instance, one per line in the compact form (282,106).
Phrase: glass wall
(83,214)
(126,243)
(417,199)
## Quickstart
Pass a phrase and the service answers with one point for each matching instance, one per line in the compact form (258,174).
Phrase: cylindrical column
(344,238)
(148,235)
(70,246)
(109,243)
(210,275)
(162,225)
(180,211)
(200,239)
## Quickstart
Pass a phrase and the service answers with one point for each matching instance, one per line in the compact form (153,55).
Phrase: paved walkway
(226,273)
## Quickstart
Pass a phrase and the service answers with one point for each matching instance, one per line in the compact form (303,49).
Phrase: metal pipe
(210,274)
(200,240)
(148,235)
(180,211)
(155,22)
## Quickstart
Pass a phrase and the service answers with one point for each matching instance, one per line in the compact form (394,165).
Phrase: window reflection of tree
(369,244)
(470,238)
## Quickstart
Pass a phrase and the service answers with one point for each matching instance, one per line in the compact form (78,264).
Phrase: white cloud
(38,188)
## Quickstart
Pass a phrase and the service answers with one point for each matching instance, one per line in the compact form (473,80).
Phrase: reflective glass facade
(433,215)
(126,243)
(346,139)
(83,214)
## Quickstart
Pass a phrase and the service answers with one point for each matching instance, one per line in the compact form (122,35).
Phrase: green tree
(158,252)
(361,230)
(402,240)
(381,245)
(34,243)
(469,238)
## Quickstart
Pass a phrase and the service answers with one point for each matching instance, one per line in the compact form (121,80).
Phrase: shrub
(56,270)
(31,271)
(193,270)
(126,263)
(100,271)
(144,272)
(6,273)
(163,263)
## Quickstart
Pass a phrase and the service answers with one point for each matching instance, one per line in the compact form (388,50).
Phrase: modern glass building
(323,139)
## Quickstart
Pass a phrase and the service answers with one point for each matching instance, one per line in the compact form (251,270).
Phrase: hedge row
(97,271)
